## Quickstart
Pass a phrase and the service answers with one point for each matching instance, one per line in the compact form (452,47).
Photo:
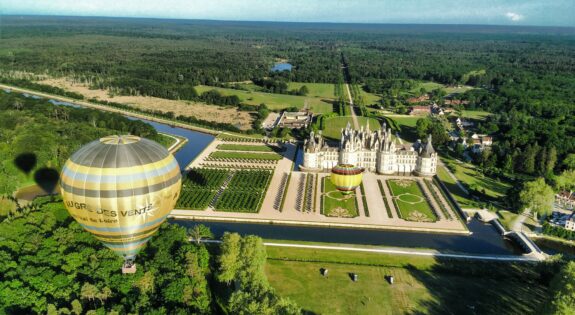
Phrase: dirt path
(351,106)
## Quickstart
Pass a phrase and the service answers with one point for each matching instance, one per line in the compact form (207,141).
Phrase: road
(351,105)
(402,251)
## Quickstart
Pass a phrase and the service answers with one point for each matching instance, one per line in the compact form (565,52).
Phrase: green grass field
(460,196)
(467,174)
(405,124)
(422,285)
(430,86)
(334,125)
(321,90)
(411,201)
(244,147)
(274,101)
(219,155)
(334,201)
(475,114)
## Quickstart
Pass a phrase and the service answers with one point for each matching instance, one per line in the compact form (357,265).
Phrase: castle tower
(427,160)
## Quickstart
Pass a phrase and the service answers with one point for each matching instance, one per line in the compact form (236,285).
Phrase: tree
(569,161)
(422,127)
(228,261)
(537,196)
(199,232)
(566,180)
(76,307)
(303,90)
(551,160)
(563,291)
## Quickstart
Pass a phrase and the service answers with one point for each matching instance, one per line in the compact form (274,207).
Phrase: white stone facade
(376,151)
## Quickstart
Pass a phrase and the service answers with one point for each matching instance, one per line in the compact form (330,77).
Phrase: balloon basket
(128,268)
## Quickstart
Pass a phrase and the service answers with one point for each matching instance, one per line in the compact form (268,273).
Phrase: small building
(295,119)
(271,121)
(455,102)
(422,98)
(570,223)
(480,142)
(565,199)
(420,110)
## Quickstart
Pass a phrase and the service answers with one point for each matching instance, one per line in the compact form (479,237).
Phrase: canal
(483,240)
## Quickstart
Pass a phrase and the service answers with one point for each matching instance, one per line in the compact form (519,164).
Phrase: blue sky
(510,12)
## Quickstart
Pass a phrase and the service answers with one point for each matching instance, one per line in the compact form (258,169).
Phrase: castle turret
(427,160)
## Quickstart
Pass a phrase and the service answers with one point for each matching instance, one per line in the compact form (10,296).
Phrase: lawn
(274,101)
(507,218)
(220,155)
(334,125)
(475,114)
(244,147)
(422,285)
(410,201)
(336,204)
(430,86)
(321,90)
(460,196)
(467,174)
(405,124)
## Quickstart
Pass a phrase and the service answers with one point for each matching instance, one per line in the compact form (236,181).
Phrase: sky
(498,12)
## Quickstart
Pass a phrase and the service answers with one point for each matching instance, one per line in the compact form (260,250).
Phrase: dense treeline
(52,133)
(50,265)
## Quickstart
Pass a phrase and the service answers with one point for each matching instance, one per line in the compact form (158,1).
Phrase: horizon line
(277,21)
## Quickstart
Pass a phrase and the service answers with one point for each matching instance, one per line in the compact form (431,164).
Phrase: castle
(377,151)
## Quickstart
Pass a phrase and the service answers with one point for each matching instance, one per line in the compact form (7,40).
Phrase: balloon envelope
(121,189)
(346,177)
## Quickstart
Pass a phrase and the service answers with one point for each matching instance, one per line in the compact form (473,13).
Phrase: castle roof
(428,149)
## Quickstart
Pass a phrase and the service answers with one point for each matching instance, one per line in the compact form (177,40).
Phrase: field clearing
(334,125)
(273,101)
(475,114)
(336,204)
(422,285)
(411,201)
(430,86)
(213,113)
(467,174)
(322,90)
(405,125)
(460,196)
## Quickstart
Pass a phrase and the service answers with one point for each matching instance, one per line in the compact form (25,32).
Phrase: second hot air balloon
(346,177)
(121,189)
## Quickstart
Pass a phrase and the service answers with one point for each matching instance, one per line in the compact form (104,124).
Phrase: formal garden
(244,192)
(337,204)
(232,156)
(199,187)
(410,201)
(249,148)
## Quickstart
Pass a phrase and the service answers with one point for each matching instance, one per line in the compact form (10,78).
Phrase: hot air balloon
(121,189)
(346,177)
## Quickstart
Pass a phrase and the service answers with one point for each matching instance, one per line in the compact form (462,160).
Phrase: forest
(52,133)
(50,265)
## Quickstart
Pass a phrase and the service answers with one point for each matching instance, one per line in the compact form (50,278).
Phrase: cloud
(515,17)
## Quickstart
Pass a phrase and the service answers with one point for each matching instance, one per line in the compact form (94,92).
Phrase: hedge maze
(245,191)
(199,187)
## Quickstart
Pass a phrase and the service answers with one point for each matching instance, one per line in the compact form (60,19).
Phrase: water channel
(484,239)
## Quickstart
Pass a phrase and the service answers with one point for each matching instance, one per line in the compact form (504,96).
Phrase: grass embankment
(274,101)
(467,174)
(335,203)
(334,125)
(405,125)
(422,285)
(223,155)
(410,201)
(244,147)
